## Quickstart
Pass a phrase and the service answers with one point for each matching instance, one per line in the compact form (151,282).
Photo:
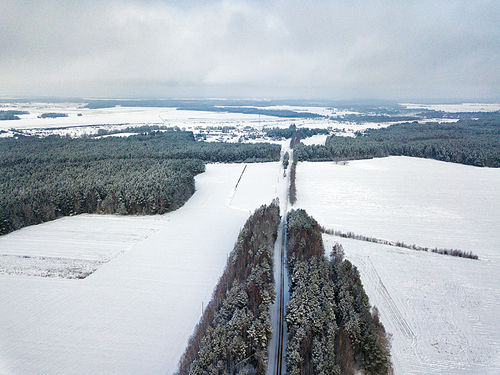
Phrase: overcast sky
(346,49)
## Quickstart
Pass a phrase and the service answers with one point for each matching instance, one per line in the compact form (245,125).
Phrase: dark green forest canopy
(42,179)
(52,115)
(11,115)
(156,145)
(279,133)
(331,328)
(469,141)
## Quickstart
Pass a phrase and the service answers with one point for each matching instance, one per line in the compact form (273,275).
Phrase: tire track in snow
(390,308)
(396,316)
(236,186)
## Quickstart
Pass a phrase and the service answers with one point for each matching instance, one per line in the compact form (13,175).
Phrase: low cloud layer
(270,49)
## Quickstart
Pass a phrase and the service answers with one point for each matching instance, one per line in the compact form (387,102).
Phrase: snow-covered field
(315,140)
(211,126)
(73,247)
(442,311)
(135,313)
(80,120)
(114,115)
(84,121)
(462,107)
(149,276)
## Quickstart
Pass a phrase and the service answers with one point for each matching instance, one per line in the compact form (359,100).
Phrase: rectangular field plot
(72,247)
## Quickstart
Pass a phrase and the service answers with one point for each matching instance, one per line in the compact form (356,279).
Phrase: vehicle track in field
(236,186)
(391,307)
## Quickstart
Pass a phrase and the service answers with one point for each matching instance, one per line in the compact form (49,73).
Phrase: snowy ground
(442,311)
(135,313)
(247,127)
(83,243)
(149,276)
(462,107)
(213,126)
(80,120)
(315,140)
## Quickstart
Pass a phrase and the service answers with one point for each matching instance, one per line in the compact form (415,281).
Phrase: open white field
(77,243)
(78,117)
(315,140)
(81,121)
(442,311)
(134,314)
(462,107)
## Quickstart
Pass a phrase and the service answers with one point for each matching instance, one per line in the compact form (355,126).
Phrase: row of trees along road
(235,329)
(330,327)
(42,179)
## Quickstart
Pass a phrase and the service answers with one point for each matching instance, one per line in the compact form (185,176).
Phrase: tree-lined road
(277,348)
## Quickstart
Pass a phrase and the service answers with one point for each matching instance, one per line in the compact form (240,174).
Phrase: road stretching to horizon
(277,348)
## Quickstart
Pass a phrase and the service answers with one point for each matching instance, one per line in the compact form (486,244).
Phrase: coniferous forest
(235,329)
(42,179)
(331,327)
(468,141)
(11,115)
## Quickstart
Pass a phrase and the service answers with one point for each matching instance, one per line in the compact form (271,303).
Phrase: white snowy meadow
(86,121)
(152,275)
(441,311)
(136,312)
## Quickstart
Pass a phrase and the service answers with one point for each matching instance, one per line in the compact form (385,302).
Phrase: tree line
(52,115)
(38,192)
(469,141)
(331,326)
(234,332)
(292,188)
(42,179)
(286,160)
(359,237)
(154,144)
(287,133)
(11,115)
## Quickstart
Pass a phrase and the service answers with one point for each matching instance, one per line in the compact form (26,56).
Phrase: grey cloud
(319,48)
